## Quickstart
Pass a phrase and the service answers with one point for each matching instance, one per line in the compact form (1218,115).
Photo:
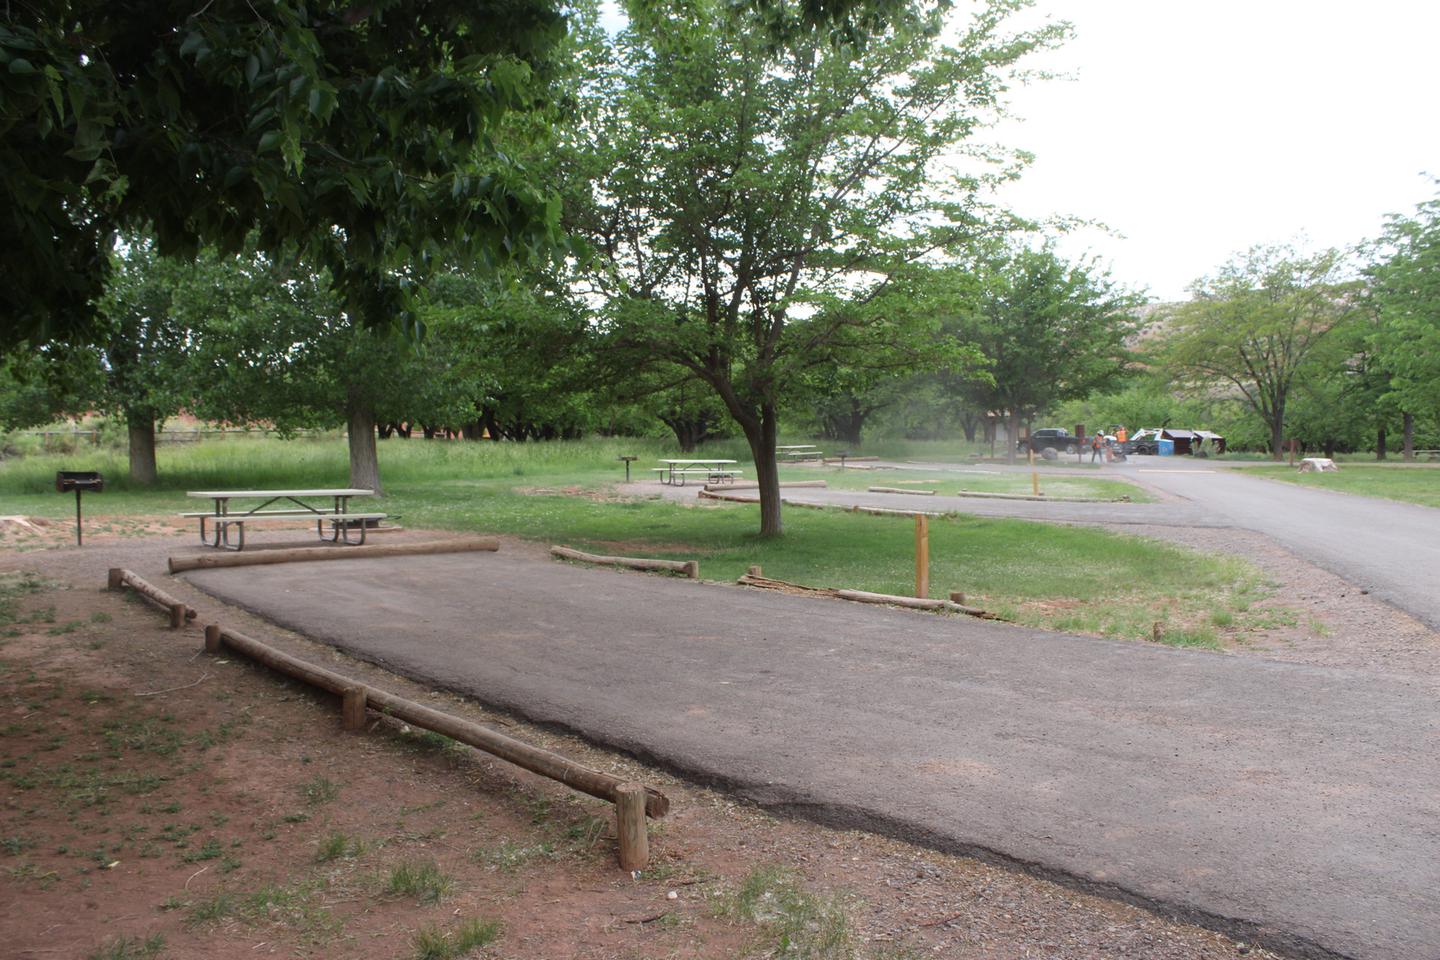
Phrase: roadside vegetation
(1411,484)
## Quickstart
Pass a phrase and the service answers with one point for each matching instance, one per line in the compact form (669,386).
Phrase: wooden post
(117,578)
(754,570)
(1292,451)
(177,616)
(634,842)
(352,712)
(922,555)
(212,638)
(1034,475)
(692,569)
(957,596)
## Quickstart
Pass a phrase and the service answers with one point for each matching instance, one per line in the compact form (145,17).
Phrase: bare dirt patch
(150,791)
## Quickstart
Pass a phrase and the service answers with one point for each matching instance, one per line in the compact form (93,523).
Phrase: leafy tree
(1050,330)
(743,189)
(1257,323)
(143,374)
(359,134)
(1406,292)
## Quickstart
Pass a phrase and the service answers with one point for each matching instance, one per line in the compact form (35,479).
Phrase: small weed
(1222,618)
(318,791)
(130,948)
(337,846)
(510,856)
(64,628)
(291,906)
(295,817)
(229,864)
(14,845)
(432,943)
(801,924)
(423,881)
(100,616)
(209,850)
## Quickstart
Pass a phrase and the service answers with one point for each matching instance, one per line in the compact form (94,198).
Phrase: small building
(1184,440)
(1213,442)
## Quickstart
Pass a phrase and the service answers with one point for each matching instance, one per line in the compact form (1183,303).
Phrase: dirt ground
(159,802)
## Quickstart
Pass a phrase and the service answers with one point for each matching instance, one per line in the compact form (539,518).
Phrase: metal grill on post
(79,481)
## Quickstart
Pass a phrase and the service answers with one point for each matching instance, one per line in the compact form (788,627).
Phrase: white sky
(1197,130)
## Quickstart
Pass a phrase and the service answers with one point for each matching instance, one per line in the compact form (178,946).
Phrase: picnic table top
(798,446)
(677,462)
(313,492)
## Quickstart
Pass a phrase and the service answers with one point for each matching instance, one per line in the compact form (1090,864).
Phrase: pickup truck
(1057,437)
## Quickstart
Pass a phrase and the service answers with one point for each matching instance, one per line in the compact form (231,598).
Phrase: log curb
(307,554)
(690,568)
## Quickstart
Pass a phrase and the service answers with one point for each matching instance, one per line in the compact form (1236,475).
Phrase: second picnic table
(799,451)
(675,471)
(337,514)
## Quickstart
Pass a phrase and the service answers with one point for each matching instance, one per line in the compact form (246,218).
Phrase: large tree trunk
(364,462)
(141,427)
(1277,434)
(760,435)
(1012,441)
(1409,423)
(767,473)
(1380,443)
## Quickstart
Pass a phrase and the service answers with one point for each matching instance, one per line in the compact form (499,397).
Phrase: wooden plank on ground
(305,554)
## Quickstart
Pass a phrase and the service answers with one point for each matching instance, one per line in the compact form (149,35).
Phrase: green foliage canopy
(357,133)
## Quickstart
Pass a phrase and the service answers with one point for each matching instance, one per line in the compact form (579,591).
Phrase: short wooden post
(922,555)
(352,709)
(1034,475)
(692,569)
(630,826)
(212,638)
(177,616)
(117,578)
(754,570)
(957,596)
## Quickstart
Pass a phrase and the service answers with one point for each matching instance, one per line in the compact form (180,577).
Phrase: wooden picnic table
(799,451)
(337,514)
(676,469)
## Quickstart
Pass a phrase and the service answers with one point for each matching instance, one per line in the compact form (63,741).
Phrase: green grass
(1412,484)
(795,922)
(1053,483)
(1050,576)
(433,943)
(426,882)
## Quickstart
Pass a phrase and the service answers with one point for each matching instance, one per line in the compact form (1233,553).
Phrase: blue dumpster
(1165,448)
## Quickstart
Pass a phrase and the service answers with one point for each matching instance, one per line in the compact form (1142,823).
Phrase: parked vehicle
(1057,437)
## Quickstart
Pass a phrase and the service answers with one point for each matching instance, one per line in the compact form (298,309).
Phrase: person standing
(1096,442)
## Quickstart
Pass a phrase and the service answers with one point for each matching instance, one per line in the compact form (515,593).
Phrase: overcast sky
(1197,130)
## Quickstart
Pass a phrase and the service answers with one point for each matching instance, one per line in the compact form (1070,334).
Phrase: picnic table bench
(336,516)
(714,471)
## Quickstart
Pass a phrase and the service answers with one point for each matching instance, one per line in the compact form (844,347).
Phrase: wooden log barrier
(305,554)
(690,568)
(180,613)
(913,493)
(602,786)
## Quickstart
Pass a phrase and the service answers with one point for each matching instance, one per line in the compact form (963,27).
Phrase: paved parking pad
(1299,805)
